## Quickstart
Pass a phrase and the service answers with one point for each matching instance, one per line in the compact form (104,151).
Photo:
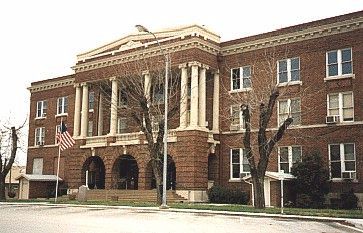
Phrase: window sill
(337,77)
(40,118)
(61,115)
(90,110)
(235,180)
(340,180)
(291,83)
(240,90)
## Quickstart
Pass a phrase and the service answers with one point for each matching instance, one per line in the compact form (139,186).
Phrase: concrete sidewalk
(356,223)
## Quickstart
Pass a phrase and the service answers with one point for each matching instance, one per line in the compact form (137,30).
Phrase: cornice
(147,52)
(51,85)
(305,34)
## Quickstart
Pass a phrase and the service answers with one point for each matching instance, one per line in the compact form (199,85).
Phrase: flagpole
(59,152)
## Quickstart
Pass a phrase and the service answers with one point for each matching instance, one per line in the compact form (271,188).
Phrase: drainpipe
(253,198)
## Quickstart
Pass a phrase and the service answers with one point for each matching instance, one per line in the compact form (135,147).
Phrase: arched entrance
(96,172)
(125,173)
(170,176)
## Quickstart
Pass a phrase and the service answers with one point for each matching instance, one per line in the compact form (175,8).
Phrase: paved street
(18,219)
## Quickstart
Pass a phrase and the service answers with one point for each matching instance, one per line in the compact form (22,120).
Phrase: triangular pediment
(136,40)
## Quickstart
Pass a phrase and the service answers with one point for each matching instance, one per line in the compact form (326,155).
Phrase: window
(39,136)
(121,125)
(342,161)
(62,105)
(42,109)
(339,62)
(122,98)
(237,121)
(289,107)
(57,130)
(155,122)
(239,164)
(38,166)
(288,70)
(241,78)
(341,104)
(91,101)
(288,156)
(90,129)
(158,94)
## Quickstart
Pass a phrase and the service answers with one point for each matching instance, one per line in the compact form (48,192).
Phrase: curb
(344,221)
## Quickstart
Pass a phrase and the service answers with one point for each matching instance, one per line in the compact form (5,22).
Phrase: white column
(194,95)
(183,96)
(100,115)
(216,102)
(77,111)
(113,119)
(202,96)
(84,120)
(147,86)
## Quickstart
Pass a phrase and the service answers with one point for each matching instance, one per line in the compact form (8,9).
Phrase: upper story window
(341,105)
(288,156)
(158,94)
(39,136)
(121,125)
(155,122)
(42,108)
(237,121)
(62,105)
(90,129)
(339,62)
(122,98)
(288,70)
(239,166)
(241,78)
(91,101)
(342,161)
(289,107)
(38,166)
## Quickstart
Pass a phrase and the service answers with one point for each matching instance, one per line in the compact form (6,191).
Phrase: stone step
(131,195)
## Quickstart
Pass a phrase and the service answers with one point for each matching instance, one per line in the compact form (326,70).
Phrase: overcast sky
(40,38)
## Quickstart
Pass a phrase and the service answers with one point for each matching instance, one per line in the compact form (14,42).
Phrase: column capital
(205,67)
(76,85)
(194,63)
(145,72)
(216,71)
(183,65)
(112,78)
(84,84)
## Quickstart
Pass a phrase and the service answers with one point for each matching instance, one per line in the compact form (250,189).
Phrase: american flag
(65,140)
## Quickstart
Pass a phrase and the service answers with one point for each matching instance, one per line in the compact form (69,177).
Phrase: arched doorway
(96,172)
(170,176)
(125,173)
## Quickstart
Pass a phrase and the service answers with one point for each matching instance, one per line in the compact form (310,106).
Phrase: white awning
(275,176)
(33,177)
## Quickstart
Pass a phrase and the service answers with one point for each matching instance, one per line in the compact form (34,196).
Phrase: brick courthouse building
(324,58)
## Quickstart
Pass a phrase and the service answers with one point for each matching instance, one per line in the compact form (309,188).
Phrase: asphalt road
(49,219)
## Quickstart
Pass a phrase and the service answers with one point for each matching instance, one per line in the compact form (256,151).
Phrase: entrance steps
(132,195)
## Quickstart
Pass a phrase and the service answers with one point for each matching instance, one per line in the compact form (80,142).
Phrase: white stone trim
(305,34)
(51,85)
(194,42)
(300,127)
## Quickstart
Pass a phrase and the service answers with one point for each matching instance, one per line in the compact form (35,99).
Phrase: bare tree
(257,104)
(9,141)
(145,101)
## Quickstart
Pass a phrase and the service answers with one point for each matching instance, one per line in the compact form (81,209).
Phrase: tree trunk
(258,192)
(159,182)
(2,187)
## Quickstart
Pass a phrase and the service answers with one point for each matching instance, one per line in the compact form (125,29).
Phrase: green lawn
(232,208)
